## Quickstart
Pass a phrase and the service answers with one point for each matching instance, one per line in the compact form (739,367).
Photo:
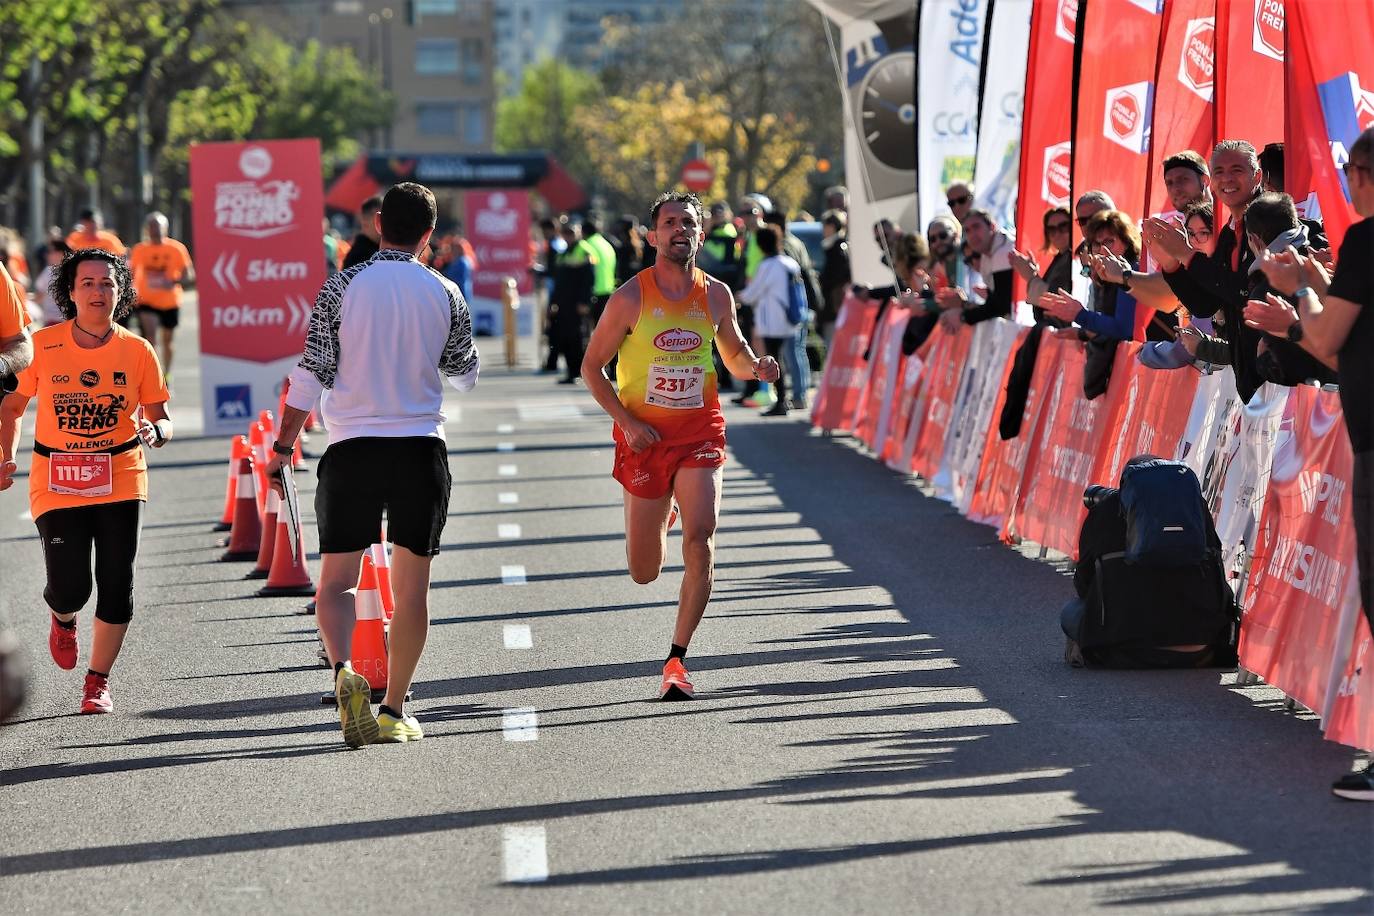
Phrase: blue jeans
(797,365)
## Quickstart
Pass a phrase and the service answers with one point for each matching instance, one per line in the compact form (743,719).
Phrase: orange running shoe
(675,684)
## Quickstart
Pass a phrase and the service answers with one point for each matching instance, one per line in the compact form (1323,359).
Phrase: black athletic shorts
(109,532)
(408,478)
(167,318)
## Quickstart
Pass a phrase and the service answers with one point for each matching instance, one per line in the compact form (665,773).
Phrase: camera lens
(1095,494)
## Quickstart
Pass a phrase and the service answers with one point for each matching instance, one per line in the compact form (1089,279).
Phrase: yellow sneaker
(355,708)
(392,730)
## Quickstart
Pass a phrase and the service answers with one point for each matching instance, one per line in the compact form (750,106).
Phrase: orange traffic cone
(269,423)
(237,449)
(369,631)
(287,576)
(245,536)
(383,569)
(268,546)
(258,440)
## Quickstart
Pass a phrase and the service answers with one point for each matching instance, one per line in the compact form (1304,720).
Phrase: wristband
(1303,291)
(158,434)
(283,450)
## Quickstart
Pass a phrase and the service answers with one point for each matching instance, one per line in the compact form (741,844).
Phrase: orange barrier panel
(940,388)
(1004,459)
(845,369)
(1152,411)
(1304,556)
(874,413)
(1351,720)
(1049,505)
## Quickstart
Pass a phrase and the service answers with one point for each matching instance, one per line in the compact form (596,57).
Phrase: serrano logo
(1197,63)
(1055,182)
(678,340)
(90,378)
(1126,119)
(1267,38)
(1066,23)
(255,162)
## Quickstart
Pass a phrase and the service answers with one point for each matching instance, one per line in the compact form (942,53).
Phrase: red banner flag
(845,368)
(1046,141)
(1304,552)
(1249,45)
(1330,101)
(1185,84)
(1115,103)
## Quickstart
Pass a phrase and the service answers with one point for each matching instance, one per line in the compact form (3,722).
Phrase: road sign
(697,175)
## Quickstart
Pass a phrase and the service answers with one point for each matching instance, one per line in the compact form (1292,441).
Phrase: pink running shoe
(95,696)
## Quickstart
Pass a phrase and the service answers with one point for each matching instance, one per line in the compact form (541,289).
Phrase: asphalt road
(884,722)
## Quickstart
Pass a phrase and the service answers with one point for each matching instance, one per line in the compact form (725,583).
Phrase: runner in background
(160,265)
(88,479)
(89,234)
(669,430)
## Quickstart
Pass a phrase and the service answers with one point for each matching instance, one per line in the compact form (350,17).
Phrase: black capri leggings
(69,535)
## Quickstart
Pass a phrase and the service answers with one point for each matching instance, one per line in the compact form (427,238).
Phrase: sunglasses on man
(959,201)
(1356,167)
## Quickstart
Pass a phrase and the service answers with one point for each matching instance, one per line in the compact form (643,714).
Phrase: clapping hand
(1271,315)
(1024,263)
(1109,268)
(1167,242)
(951,297)
(1061,307)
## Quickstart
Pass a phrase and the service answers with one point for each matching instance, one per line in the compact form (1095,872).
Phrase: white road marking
(505,446)
(508,532)
(546,410)
(520,723)
(508,499)
(525,855)
(506,429)
(518,636)
(507,470)
(512,575)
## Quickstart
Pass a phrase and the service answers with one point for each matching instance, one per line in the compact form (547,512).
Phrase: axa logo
(1197,62)
(678,340)
(1066,23)
(1267,36)
(1348,110)
(1126,118)
(1056,178)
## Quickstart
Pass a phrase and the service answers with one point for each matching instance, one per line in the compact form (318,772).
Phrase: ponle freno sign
(256,212)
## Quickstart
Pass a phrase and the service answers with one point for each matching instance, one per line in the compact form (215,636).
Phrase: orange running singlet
(664,368)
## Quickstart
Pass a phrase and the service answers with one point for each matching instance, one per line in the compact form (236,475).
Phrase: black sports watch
(284,450)
(1294,332)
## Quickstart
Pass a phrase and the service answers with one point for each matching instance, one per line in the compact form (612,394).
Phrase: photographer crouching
(1152,592)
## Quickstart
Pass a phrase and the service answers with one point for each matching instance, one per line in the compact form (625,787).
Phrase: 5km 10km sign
(256,208)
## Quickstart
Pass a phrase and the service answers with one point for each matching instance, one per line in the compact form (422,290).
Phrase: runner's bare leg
(646,535)
(165,338)
(335,611)
(410,623)
(106,641)
(698,499)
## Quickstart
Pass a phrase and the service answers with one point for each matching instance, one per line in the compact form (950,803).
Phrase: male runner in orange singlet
(669,429)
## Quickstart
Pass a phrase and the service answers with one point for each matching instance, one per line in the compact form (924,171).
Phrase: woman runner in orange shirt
(88,480)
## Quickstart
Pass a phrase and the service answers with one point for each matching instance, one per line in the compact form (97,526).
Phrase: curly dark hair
(64,281)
